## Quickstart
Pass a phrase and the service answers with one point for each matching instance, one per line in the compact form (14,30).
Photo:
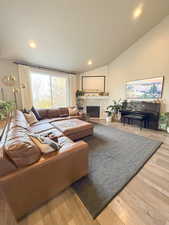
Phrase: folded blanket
(45,144)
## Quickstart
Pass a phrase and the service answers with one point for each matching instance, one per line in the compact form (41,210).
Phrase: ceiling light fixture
(32,44)
(138,11)
(90,62)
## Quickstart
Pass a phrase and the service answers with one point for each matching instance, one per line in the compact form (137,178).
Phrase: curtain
(25,86)
(72,87)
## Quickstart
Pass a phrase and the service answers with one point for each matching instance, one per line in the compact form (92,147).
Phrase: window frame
(51,74)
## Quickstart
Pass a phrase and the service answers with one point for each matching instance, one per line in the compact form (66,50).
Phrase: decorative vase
(108,119)
(119,116)
(162,126)
(113,118)
(167,129)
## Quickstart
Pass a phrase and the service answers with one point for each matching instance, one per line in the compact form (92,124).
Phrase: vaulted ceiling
(68,33)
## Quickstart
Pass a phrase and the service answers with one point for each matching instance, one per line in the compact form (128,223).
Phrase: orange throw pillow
(73,111)
(30,117)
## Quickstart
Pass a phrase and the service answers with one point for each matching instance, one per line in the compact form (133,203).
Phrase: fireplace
(96,105)
(93,111)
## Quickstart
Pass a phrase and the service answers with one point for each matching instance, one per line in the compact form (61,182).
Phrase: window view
(48,91)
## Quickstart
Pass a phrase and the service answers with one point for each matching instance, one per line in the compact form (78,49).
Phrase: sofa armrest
(6,166)
(73,148)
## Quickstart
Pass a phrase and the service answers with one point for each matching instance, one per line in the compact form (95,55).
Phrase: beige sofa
(29,177)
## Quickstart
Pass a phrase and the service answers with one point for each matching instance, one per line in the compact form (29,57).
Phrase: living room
(84,117)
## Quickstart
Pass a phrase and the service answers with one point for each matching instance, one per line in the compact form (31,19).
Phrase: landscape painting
(145,89)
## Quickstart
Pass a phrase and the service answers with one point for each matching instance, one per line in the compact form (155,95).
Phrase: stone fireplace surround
(101,101)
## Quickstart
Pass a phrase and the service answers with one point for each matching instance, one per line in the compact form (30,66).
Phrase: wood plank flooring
(144,201)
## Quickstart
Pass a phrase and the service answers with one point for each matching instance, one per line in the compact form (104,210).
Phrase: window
(49,91)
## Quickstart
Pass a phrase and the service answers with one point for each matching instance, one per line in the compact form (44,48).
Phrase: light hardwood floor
(144,201)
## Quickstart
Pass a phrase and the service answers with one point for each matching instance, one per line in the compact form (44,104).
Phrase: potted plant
(115,109)
(5,108)
(164,121)
(79,93)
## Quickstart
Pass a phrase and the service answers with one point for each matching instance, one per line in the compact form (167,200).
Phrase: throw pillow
(73,111)
(36,113)
(26,110)
(30,117)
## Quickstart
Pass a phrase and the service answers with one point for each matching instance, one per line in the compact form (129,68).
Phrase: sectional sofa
(29,176)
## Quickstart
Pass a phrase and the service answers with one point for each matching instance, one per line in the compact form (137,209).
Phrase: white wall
(8,68)
(147,58)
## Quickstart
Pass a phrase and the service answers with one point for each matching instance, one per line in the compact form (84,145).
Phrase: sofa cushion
(61,112)
(22,151)
(47,151)
(63,141)
(45,121)
(19,116)
(16,132)
(40,127)
(64,112)
(43,113)
(73,111)
(15,123)
(19,120)
(30,117)
(6,166)
(52,133)
(53,113)
(72,126)
(36,113)
(47,146)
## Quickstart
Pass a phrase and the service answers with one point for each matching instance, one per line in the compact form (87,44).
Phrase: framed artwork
(93,84)
(145,89)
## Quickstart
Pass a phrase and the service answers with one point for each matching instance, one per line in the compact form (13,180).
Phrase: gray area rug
(115,157)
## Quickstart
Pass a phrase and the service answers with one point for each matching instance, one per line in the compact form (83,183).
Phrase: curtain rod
(41,67)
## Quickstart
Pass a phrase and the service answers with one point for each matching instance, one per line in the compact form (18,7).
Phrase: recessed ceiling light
(138,11)
(90,62)
(32,44)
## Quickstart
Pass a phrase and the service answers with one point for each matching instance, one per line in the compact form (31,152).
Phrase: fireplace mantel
(95,97)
